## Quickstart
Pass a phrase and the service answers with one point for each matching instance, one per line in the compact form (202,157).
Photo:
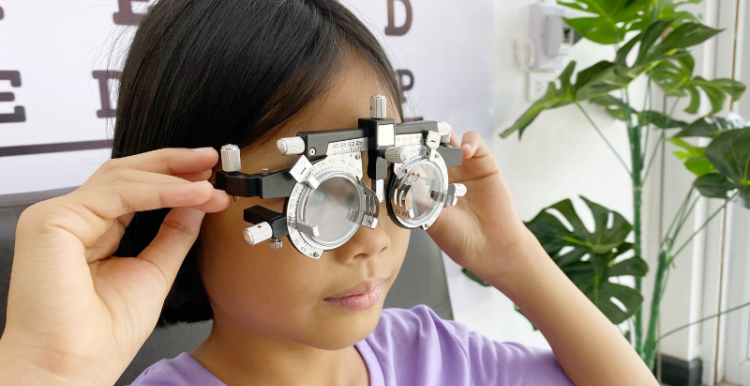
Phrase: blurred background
(486,65)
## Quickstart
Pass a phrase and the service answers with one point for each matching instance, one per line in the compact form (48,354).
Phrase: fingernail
(219,191)
(203,148)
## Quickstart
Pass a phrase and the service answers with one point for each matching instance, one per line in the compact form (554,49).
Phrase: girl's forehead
(340,106)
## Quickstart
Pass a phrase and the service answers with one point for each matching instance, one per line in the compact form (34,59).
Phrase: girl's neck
(239,356)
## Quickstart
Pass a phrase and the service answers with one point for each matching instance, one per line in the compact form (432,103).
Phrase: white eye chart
(58,79)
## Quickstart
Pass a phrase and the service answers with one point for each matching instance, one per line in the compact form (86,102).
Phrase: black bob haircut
(210,72)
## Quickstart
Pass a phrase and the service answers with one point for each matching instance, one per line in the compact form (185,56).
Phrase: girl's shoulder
(415,346)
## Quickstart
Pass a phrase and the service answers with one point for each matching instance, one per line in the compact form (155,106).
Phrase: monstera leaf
(675,78)
(667,10)
(617,109)
(729,153)
(610,19)
(693,157)
(603,77)
(588,258)
(712,126)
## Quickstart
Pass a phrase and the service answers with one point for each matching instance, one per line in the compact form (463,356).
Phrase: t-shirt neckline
(374,371)
(371,362)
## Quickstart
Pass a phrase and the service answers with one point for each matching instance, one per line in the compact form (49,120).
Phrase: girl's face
(283,294)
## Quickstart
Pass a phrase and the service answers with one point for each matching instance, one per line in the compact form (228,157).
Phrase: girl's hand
(77,314)
(483,232)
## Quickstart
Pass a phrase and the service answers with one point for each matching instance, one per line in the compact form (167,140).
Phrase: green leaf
(716,90)
(667,10)
(693,157)
(629,298)
(603,77)
(634,266)
(691,151)
(598,80)
(695,99)
(653,32)
(684,36)
(610,20)
(474,277)
(699,166)
(710,127)
(745,195)
(588,257)
(659,120)
(554,97)
(730,155)
(675,78)
(616,108)
(673,75)
(714,185)
(527,318)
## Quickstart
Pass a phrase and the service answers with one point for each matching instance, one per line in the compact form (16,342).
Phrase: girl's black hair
(211,72)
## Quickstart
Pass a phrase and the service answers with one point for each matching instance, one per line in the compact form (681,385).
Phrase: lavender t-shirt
(411,347)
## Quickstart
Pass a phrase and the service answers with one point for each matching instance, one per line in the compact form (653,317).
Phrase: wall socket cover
(538,82)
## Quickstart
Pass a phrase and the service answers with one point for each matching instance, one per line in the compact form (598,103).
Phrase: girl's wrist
(18,368)
(526,264)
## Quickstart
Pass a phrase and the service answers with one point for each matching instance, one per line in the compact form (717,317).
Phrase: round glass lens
(334,209)
(425,178)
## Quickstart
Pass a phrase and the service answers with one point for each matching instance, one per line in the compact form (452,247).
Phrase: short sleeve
(417,347)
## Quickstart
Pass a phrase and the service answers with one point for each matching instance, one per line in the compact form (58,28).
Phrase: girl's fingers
(115,200)
(171,161)
(199,176)
(473,145)
(455,141)
(218,202)
(176,236)
(135,175)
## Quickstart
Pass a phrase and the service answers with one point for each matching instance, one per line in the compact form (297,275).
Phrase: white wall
(560,156)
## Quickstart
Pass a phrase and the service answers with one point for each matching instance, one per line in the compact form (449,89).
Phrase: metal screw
(312,151)
(265,171)
(316,254)
(357,156)
(437,155)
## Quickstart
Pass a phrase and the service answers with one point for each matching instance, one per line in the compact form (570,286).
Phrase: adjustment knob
(290,146)
(378,107)
(258,233)
(458,190)
(395,154)
(275,244)
(230,158)
(445,130)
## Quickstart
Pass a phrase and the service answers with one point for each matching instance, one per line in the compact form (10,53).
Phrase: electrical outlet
(538,82)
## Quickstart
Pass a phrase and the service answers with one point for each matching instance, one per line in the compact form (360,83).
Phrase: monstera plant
(651,40)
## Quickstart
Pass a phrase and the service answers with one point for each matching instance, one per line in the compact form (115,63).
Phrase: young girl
(204,73)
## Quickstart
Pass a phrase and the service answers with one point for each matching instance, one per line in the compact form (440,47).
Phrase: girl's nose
(366,243)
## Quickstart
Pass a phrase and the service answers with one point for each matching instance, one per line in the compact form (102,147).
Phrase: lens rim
(303,203)
(398,173)
(347,165)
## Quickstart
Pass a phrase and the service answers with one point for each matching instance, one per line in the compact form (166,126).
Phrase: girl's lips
(357,302)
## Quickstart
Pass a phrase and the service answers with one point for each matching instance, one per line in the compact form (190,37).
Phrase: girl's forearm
(587,346)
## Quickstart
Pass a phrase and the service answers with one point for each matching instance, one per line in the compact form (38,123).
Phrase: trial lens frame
(403,146)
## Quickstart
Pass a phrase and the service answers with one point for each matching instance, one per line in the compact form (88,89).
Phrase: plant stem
(603,137)
(678,329)
(634,136)
(662,138)
(653,156)
(685,244)
(649,347)
(666,258)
